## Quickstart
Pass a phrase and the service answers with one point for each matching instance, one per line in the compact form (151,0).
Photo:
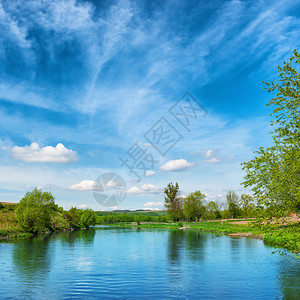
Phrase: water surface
(136,263)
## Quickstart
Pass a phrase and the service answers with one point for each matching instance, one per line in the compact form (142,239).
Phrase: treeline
(129,218)
(37,212)
(194,208)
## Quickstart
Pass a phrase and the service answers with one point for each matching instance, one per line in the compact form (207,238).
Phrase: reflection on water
(106,262)
(175,243)
(71,238)
(189,242)
(31,257)
(289,278)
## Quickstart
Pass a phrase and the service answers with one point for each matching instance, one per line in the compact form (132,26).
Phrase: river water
(116,263)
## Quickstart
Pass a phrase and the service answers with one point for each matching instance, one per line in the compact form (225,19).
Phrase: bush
(34,211)
(87,217)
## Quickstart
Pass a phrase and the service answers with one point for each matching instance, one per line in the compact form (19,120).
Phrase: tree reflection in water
(289,276)
(32,258)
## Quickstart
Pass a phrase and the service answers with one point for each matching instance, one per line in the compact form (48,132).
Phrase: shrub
(34,211)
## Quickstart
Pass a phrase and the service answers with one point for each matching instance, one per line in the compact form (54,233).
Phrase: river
(132,263)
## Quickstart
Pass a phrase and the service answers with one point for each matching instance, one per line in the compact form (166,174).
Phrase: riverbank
(11,229)
(275,233)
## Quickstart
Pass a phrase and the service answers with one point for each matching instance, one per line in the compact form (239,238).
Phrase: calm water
(145,264)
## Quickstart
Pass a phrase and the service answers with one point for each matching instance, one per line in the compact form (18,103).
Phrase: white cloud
(158,203)
(210,153)
(152,208)
(33,153)
(212,160)
(90,185)
(150,188)
(134,190)
(83,206)
(211,157)
(111,183)
(150,173)
(176,165)
(146,189)
(85,185)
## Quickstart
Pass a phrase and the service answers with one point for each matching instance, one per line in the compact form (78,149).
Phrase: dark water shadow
(32,258)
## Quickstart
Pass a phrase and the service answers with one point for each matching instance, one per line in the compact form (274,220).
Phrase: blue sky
(82,81)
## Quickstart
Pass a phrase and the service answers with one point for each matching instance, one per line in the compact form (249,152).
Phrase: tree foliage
(35,210)
(193,207)
(213,210)
(247,203)
(173,202)
(87,218)
(274,174)
(232,200)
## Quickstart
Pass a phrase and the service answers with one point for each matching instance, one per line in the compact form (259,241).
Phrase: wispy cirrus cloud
(99,75)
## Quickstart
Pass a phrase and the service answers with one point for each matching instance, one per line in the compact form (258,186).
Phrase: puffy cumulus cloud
(84,185)
(83,206)
(91,185)
(176,165)
(150,188)
(150,204)
(134,190)
(150,173)
(48,154)
(146,189)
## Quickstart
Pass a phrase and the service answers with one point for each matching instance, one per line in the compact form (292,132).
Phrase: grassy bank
(9,227)
(286,236)
(60,221)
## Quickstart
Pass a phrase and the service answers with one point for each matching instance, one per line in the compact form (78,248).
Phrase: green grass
(8,225)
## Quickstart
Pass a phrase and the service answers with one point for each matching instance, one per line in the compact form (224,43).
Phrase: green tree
(173,202)
(193,207)
(213,210)
(72,216)
(35,210)
(247,203)
(87,217)
(273,174)
(232,200)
